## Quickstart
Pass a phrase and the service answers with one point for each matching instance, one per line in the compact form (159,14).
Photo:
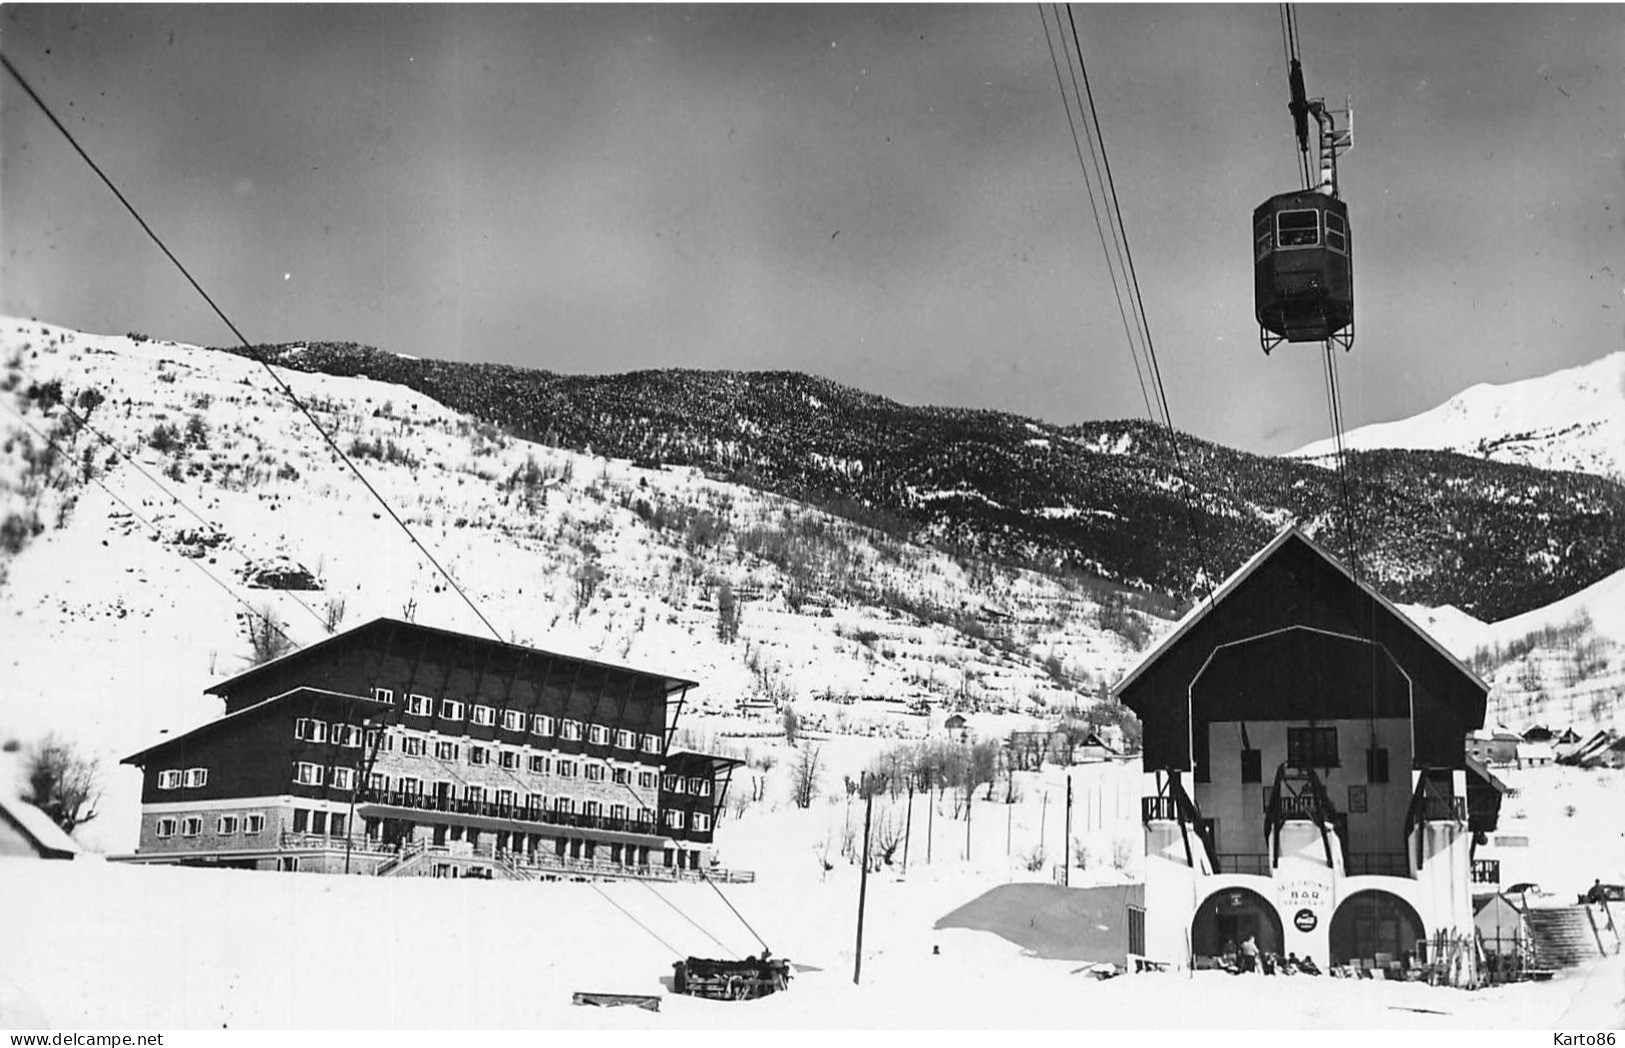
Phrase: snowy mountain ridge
(1572,419)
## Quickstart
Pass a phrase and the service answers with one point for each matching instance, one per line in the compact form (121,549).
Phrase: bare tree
(266,640)
(62,783)
(792,726)
(804,777)
(727,613)
(333,613)
(887,836)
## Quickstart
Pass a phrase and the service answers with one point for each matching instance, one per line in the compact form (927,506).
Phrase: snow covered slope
(119,604)
(1572,419)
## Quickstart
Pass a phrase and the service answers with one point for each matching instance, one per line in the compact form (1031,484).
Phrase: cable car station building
(395,748)
(1307,742)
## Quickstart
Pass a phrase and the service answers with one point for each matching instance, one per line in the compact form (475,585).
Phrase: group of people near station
(1247,957)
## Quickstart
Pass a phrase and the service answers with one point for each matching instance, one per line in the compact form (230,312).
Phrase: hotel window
(538,764)
(621,775)
(411,787)
(671,784)
(571,729)
(346,735)
(1252,766)
(617,811)
(535,802)
(384,695)
(375,740)
(344,778)
(318,822)
(253,824)
(508,759)
(169,780)
(377,783)
(451,709)
(505,798)
(419,705)
(651,744)
(165,828)
(1311,747)
(541,724)
(699,787)
(566,769)
(191,826)
(591,809)
(445,751)
(597,734)
(336,827)
(564,805)
(412,745)
(308,774)
(195,777)
(484,716)
(674,820)
(225,825)
(625,740)
(702,821)
(310,730)
(646,779)
(1376,764)
(479,755)
(513,720)
(474,794)
(301,820)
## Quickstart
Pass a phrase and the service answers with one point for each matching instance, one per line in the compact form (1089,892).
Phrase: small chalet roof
(668,683)
(364,702)
(48,840)
(691,758)
(1241,574)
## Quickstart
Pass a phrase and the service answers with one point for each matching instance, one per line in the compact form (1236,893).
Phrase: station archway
(1229,916)
(1371,922)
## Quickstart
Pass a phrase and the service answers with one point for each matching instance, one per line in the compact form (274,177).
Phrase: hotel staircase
(1562,936)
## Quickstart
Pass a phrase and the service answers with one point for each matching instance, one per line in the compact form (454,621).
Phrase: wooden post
(930,818)
(969,797)
(1066,841)
(908,824)
(863,878)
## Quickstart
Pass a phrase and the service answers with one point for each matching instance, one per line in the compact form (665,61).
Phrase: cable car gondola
(1303,272)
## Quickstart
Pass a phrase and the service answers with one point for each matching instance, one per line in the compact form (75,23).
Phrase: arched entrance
(1230,916)
(1373,922)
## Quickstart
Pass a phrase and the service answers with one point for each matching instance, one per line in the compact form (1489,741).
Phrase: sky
(886,196)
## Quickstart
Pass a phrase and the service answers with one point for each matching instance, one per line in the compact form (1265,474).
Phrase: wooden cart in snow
(730,980)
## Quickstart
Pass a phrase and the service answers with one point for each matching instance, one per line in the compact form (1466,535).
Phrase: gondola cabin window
(1312,748)
(1263,238)
(1337,237)
(1298,228)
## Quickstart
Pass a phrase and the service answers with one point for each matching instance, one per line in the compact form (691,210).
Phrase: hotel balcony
(523,818)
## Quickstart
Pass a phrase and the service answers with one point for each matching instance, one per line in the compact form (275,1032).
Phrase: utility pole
(930,818)
(908,824)
(1043,822)
(969,797)
(863,878)
(1066,842)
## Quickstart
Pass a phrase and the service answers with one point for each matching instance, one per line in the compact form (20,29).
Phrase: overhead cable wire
(286,389)
(1094,210)
(689,919)
(1137,299)
(90,476)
